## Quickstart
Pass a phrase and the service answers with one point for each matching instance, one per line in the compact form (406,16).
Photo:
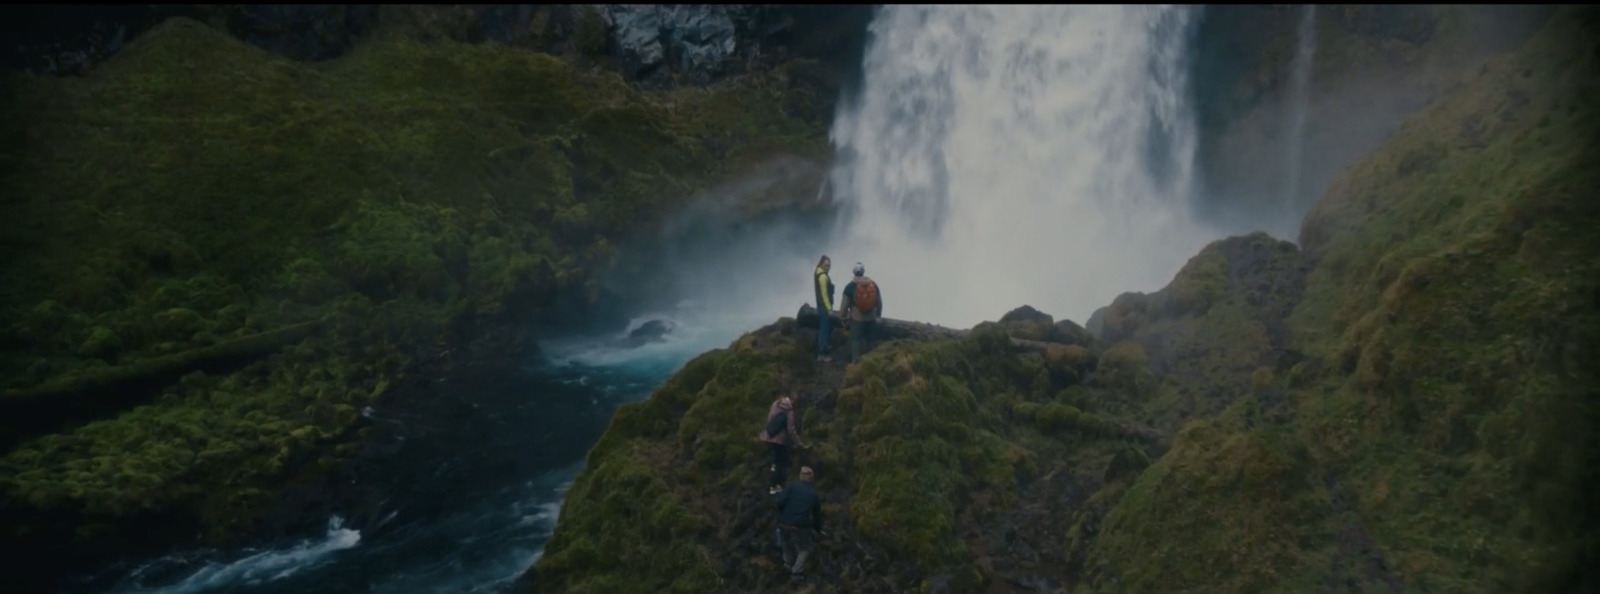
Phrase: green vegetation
(929,436)
(1446,312)
(1407,404)
(1456,302)
(408,198)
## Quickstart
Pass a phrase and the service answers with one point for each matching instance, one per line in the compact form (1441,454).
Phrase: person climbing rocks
(781,437)
(824,290)
(799,524)
(863,303)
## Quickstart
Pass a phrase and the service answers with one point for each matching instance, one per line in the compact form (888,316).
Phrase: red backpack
(866,297)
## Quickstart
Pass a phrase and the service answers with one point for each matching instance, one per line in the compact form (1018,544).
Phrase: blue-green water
(480,498)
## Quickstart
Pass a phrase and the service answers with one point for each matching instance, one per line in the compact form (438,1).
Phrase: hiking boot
(774,490)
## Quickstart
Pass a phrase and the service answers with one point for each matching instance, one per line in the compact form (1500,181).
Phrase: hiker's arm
(846,297)
(816,513)
(783,499)
(877,310)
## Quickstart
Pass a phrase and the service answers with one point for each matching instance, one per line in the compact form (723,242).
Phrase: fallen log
(94,394)
(888,328)
(892,329)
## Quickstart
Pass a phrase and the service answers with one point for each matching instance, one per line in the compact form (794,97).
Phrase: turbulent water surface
(487,488)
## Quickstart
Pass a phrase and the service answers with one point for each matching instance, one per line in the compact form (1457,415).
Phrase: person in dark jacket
(862,305)
(781,443)
(799,523)
(823,287)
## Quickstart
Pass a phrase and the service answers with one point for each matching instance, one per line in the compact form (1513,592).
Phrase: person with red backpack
(781,436)
(863,304)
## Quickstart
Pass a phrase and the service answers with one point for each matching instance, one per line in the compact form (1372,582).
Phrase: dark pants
(861,332)
(780,464)
(797,544)
(822,333)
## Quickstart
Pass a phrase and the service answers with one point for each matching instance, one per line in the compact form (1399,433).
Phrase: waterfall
(1301,81)
(1001,156)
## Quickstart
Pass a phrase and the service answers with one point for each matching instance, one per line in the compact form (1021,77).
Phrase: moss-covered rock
(1454,297)
(1432,268)
(408,197)
(917,444)
(1221,511)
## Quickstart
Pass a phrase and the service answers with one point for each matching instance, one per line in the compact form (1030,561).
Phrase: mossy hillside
(1227,508)
(1438,436)
(1455,303)
(1188,350)
(411,195)
(632,472)
(920,442)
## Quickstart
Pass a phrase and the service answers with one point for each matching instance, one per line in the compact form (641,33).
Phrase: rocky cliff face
(1402,402)
(1369,68)
(654,44)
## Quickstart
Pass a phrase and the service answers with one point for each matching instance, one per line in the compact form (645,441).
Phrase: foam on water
(257,568)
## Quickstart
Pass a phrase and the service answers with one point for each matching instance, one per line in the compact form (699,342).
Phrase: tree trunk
(890,329)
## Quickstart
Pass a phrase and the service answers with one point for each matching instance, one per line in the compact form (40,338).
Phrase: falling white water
(1301,73)
(1007,155)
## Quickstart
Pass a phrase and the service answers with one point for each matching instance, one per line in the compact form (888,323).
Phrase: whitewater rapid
(1001,156)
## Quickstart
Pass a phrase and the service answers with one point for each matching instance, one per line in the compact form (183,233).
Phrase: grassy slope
(1408,403)
(195,189)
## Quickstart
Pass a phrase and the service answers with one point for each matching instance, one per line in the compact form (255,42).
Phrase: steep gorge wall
(653,44)
(1372,66)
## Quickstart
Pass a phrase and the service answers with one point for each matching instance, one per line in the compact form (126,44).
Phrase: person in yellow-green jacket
(824,290)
